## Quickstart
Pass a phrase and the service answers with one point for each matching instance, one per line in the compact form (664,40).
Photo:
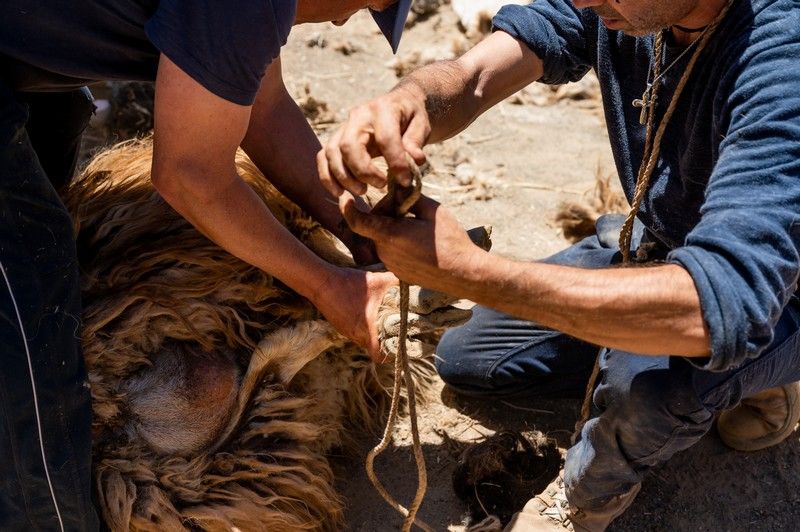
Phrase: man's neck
(703,14)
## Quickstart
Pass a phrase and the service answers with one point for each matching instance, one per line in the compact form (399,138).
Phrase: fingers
(389,142)
(369,129)
(414,138)
(368,225)
(356,147)
(384,127)
(334,174)
(330,184)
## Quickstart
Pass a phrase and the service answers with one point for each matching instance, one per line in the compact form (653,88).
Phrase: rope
(402,374)
(652,150)
(653,145)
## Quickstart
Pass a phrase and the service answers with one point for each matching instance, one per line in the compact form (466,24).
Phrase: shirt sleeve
(558,33)
(744,254)
(224,46)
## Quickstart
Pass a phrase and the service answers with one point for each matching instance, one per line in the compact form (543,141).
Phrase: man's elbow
(169,182)
(182,183)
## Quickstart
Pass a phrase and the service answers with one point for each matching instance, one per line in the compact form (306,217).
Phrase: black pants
(45,410)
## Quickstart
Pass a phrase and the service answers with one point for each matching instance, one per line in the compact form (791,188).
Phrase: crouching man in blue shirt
(702,102)
(218,79)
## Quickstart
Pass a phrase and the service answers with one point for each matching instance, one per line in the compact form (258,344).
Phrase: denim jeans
(647,408)
(45,411)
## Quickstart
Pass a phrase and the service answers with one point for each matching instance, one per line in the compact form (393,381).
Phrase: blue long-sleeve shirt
(724,199)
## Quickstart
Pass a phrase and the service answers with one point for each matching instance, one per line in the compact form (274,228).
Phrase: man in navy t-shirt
(702,105)
(217,72)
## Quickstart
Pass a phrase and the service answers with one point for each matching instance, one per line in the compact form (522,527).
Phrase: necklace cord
(653,143)
(684,29)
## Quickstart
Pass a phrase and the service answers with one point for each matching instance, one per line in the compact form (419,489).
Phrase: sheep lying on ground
(217,391)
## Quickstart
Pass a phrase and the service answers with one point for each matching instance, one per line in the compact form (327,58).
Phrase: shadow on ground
(706,488)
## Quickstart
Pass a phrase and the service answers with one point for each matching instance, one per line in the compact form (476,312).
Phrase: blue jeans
(648,407)
(45,410)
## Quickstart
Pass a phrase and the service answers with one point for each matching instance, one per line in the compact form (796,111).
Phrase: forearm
(228,212)
(446,91)
(283,146)
(456,92)
(648,310)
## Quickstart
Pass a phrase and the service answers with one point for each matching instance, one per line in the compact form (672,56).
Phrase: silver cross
(643,104)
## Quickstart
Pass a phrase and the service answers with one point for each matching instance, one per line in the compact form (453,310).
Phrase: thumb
(365,224)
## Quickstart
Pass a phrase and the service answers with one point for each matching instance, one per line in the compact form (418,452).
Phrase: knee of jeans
(653,395)
(460,366)
(447,356)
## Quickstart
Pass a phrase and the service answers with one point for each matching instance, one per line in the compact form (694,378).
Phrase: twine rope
(402,375)
(652,150)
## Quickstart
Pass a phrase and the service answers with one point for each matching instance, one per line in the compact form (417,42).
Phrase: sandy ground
(511,169)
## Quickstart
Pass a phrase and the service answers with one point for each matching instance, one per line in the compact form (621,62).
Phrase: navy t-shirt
(724,200)
(48,45)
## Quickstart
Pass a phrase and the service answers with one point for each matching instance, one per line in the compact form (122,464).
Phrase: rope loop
(397,202)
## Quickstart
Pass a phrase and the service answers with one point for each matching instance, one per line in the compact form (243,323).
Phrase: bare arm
(653,310)
(283,146)
(430,105)
(196,137)
(457,92)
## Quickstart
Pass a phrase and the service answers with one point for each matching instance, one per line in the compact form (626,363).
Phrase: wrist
(315,289)
(470,276)
(478,270)
(407,89)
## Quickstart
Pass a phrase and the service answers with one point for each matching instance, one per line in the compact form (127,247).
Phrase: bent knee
(659,394)
(453,361)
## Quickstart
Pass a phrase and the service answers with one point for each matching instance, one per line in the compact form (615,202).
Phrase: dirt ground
(511,169)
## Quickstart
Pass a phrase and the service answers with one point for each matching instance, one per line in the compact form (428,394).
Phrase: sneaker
(546,512)
(550,512)
(763,420)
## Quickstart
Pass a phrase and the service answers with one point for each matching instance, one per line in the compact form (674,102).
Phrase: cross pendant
(643,104)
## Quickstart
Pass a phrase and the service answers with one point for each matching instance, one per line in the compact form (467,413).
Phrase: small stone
(465,174)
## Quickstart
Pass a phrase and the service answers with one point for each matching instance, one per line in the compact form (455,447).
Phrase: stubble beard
(649,21)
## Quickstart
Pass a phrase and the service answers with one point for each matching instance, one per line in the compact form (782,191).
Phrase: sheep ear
(282,353)
(286,351)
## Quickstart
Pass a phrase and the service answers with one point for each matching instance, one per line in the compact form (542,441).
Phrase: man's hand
(350,301)
(389,126)
(431,250)
(429,105)
(649,311)
(430,314)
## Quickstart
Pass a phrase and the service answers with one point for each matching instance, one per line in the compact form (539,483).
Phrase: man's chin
(633,32)
(625,27)
(638,32)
